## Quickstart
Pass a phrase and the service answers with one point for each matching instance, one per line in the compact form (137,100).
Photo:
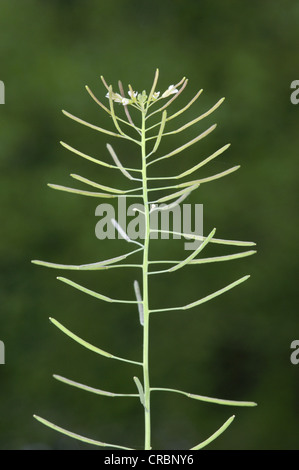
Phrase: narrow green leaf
(87,440)
(97,391)
(92,126)
(173,204)
(79,191)
(93,293)
(92,159)
(104,82)
(176,194)
(223,258)
(96,100)
(185,107)
(195,252)
(199,118)
(214,177)
(185,146)
(87,157)
(97,185)
(201,261)
(217,401)
(213,259)
(215,435)
(156,77)
(86,267)
(159,136)
(204,162)
(199,237)
(207,298)
(199,181)
(194,168)
(217,293)
(110,92)
(88,345)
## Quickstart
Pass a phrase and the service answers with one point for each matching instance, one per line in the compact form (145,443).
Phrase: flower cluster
(140,98)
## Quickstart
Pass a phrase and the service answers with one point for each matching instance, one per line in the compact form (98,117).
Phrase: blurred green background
(236,346)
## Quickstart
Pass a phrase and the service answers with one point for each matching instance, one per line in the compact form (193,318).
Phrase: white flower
(115,96)
(133,95)
(156,95)
(118,98)
(171,91)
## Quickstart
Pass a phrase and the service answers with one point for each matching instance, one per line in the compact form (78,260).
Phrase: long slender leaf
(185,146)
(207,298)
(93,293)
(213,177)
(173,204)
(218,401)
(182,110)
(89,346)
(87,388)
(156,77)
(215,435)
(86,267)
(195,252)
(199,237)
(199,118)
(94,160)
(80,191)
(176,194)
(194,168)
(87,440)
(96,100)
(97,185)
(199,181)
(204,162)
(92,126)
(159,136)
(213,259)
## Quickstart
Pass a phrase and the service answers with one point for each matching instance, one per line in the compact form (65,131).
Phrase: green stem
(146,383)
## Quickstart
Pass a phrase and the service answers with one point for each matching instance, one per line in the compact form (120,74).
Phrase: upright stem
(146,383)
